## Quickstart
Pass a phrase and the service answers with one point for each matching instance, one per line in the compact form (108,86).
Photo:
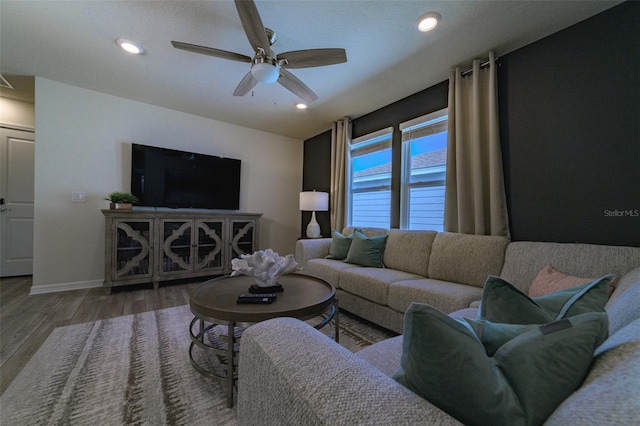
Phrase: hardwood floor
(26,321)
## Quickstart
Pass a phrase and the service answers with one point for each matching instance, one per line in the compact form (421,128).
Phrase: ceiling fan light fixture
(428,21)
(301,105)
(265,70)
(130,46)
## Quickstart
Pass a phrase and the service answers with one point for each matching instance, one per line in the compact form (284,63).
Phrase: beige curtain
(475,201)
(340,140)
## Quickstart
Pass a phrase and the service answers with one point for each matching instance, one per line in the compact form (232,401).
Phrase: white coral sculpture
(265,266)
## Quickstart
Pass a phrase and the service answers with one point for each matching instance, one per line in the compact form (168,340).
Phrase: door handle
(3,209)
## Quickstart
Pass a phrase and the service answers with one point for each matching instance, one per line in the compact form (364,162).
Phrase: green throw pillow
(502,302)
(530,371)
(366,251)
(339,245)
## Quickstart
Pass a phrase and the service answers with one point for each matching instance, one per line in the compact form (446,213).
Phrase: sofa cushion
(503,302)
(524,259)
(409,251)
(610,394)
(339,245)
(625,282)
(466,259)
(372,283)
(528,376)
(327,269)
(384,355)
(444,295)
(626,309)
(372,232)
(366,251)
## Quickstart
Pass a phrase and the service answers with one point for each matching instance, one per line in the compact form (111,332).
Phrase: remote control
(254,300)
(257,296)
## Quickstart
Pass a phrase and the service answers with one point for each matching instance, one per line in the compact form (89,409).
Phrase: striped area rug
(131,370)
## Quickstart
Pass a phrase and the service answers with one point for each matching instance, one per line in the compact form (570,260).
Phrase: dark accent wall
(570,132)
(569,128)
(316,176)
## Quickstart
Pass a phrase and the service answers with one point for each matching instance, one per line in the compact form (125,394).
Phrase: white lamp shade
(314,201)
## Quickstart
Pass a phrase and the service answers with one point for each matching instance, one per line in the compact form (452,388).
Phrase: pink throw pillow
(549,280)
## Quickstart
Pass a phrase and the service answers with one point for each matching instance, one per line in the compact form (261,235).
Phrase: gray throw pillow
(339,245)
(530,371)
(504,303)
(366,251)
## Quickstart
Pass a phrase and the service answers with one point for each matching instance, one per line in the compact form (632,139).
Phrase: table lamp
(312,201)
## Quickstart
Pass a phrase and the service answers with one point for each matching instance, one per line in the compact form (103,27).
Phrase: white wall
(14,113)
(84,144)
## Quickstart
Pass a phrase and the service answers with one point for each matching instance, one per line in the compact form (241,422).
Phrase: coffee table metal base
(225,351)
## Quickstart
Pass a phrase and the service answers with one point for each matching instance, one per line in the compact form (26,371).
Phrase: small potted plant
(121,200)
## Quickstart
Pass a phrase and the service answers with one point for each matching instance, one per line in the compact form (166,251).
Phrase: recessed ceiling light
(301,105)
(130,46)
(428,21)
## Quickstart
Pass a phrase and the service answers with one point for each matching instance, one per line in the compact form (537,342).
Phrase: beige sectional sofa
(448,270)
(289,373)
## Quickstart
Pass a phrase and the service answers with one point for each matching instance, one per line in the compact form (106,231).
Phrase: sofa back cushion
(369,232)
(624,283)
(624,309)
(409,251)
(466,259)
(524,259)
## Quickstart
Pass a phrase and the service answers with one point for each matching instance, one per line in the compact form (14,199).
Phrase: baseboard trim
(54,288)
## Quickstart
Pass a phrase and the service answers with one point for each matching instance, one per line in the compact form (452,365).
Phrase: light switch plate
(78,197)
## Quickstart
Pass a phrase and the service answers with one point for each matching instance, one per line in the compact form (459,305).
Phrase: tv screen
(163,177)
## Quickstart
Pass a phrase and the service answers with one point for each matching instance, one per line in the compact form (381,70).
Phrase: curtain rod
(482,65)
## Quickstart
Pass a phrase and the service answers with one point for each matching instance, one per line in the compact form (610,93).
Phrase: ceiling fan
(266,66)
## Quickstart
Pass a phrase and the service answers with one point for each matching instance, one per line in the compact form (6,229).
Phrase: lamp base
(313,228)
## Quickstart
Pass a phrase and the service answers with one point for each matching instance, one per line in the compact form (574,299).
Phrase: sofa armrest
(307,249)
(291,374)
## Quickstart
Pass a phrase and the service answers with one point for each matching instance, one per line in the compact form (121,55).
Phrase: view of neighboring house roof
(420,161)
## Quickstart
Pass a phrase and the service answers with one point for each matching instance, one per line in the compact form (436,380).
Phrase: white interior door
(17,155)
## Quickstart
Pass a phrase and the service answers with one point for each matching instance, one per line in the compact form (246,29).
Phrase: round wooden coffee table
(216,311)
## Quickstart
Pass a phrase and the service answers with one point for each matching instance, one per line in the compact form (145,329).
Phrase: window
(369,180)
(424,160)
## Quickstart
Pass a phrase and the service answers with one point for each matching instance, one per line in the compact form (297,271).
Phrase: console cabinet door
(209,245)
(132,254)
(177,246)
(192,245)
(243,237)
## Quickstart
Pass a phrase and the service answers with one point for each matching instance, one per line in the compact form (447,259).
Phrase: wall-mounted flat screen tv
(163,177)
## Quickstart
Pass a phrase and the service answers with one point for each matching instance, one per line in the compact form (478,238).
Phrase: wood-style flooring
(26,321)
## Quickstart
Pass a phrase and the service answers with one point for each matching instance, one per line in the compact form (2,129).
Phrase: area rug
(131,370)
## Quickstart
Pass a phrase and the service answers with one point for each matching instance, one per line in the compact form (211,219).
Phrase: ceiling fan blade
(211,51)
(312,58)
(252,25)
(247,83)
(297,87)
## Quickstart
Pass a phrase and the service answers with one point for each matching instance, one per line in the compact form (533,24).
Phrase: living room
(559,99)
(568,129)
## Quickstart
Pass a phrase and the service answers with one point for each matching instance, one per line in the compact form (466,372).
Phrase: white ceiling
(73,42)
